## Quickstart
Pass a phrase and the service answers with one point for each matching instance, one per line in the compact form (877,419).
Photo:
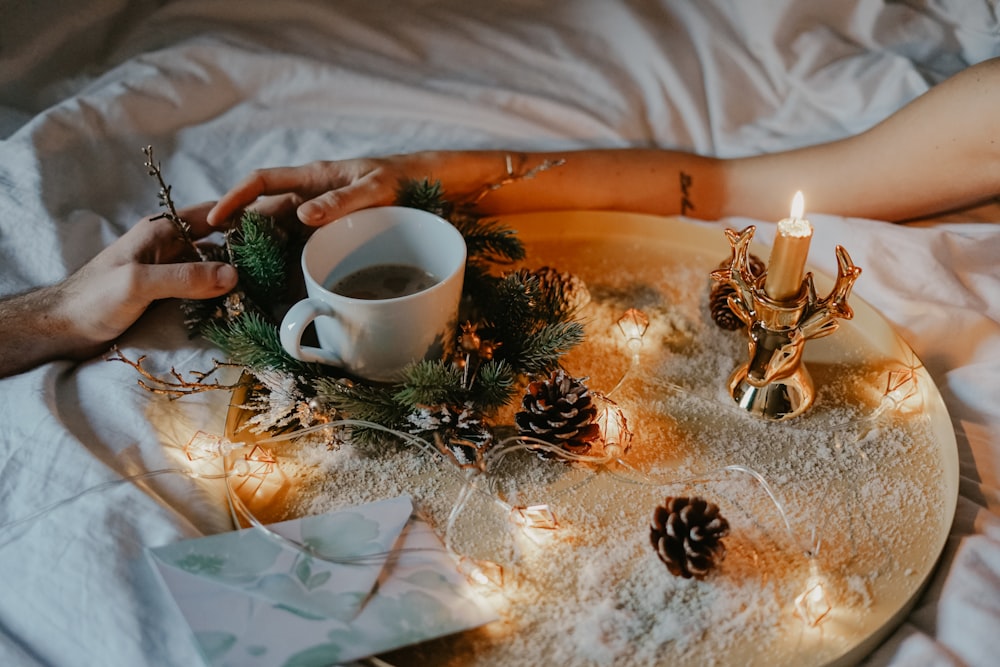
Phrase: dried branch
(177,386)
(167,202)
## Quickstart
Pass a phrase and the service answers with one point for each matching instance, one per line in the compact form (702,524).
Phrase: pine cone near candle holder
(718,297)
(559,411)
(687,534)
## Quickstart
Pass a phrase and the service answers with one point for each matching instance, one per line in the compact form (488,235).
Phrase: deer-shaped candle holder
(774,383)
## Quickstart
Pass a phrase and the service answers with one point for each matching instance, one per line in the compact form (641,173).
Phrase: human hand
(318,192)
(79,316)
(149,262)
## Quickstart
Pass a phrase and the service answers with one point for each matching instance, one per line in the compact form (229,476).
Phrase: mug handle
(295,322)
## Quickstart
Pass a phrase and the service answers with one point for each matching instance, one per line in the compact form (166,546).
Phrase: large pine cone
(687,533)
(718,297)
(559,411)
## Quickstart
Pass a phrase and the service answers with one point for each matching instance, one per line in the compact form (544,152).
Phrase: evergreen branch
(258,247)
(494,385)
(540,353)
(510,310)
(430,383)
(424,195)
(373,403)
(490,241)
(252,341)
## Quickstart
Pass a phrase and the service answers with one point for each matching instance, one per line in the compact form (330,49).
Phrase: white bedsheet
(220,87)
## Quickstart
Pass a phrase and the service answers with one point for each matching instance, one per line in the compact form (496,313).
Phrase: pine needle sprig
(541,352)
(259,251)
(490,241)
(511,309)
(373,403)
(495,385)
(486,241)
(251,341)
(430,383)
(425,195)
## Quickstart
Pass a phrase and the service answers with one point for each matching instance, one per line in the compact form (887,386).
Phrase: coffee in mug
(383,281)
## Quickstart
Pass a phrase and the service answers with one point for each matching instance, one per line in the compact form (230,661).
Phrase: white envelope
(251,599)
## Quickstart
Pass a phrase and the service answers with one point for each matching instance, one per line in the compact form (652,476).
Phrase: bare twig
(177,386)
(167,202)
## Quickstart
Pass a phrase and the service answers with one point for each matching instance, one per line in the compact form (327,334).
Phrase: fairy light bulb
(633,325)
(615,433)
(812,605)
(900,385)
(204,445)
(482,572)
(539,517)
(260,480)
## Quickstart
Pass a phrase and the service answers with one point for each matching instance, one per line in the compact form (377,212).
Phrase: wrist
(464,175)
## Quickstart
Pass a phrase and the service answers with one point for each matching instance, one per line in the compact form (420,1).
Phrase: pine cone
(687,533)
(559,411)
(569,290)
(718,297)
(458,432)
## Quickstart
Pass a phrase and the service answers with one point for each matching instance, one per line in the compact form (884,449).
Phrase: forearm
(654,181)
(940,152)
(34,332)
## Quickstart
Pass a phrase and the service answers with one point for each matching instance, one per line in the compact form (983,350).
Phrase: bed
(220,87)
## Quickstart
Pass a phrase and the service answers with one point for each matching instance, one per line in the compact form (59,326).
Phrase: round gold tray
(857,495)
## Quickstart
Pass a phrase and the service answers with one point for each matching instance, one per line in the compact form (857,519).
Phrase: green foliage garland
(515,326)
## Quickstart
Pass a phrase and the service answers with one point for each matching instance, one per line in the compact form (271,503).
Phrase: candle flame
(798,206)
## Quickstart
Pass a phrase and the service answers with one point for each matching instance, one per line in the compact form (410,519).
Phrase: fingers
(278,206)
(276,181)
(329,206)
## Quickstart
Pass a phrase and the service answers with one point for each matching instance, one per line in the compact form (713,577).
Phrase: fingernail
(310,213)
(226,275)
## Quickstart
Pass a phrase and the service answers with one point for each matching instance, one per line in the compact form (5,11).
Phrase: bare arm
(80,316)
(641,180)
(940,152)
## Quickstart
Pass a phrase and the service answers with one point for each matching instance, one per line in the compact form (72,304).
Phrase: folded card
(370,579)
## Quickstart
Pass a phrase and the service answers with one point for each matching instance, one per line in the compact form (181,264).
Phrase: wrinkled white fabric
(220,87)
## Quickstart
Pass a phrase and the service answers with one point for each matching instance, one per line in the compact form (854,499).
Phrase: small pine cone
(571,291)
(560,411)
(718,297)
(687,534)
(458,432)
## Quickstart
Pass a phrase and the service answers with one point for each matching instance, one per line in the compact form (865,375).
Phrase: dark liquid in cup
(384,281)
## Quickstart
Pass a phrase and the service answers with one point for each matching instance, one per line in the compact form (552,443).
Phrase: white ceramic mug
(375,338)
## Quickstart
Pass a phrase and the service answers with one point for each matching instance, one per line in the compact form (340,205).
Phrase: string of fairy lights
(248,472)
(255,470)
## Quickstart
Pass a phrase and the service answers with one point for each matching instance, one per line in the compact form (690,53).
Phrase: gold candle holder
(774,383)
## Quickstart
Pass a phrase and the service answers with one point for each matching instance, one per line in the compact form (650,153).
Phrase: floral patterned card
(251,599)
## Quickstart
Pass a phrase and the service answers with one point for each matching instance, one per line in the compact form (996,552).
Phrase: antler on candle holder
(774,383)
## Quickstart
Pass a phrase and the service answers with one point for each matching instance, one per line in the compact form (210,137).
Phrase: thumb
(188,280)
